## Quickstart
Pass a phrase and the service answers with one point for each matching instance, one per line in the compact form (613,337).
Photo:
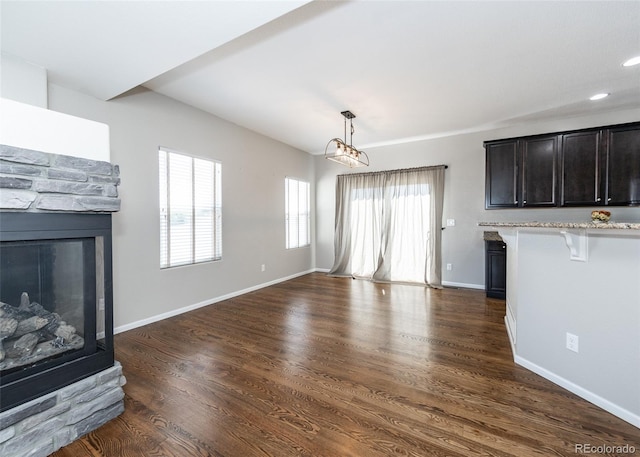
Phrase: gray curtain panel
(388,225)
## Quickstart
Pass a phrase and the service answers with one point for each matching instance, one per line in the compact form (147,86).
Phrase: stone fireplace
(58,377)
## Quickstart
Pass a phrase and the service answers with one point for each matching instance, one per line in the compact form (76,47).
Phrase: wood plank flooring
(321,366)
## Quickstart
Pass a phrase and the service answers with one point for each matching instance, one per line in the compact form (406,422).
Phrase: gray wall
(253,172)
(254,168)
(597,301)
(462,245)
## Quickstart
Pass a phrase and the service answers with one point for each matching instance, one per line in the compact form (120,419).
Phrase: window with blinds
(190,209)
(297,213)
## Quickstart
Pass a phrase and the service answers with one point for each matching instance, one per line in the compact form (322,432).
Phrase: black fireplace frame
(61,371)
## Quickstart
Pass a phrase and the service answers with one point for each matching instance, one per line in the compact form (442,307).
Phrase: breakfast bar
(573,307)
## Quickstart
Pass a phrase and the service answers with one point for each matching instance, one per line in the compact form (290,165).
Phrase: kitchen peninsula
(573,307)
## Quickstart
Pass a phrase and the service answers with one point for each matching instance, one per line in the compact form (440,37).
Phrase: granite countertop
(566,225)
(492,236)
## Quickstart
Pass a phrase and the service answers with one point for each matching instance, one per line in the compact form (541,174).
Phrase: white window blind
(297,213)
(190,209)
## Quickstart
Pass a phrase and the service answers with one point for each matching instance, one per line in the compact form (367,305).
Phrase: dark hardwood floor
(321,366)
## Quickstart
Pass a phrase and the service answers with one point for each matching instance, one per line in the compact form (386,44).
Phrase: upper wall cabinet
(581,169)
(623,165)
(502,174)
(590,167)
(521,172)
(539,171)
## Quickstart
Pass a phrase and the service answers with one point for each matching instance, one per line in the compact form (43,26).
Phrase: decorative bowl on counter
(599,216)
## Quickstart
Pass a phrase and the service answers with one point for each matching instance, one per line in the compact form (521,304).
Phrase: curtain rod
(400,169)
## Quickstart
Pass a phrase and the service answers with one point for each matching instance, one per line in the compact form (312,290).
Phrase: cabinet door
(501,187)
(623,166)
(539,171)
(496,269)
(580,169)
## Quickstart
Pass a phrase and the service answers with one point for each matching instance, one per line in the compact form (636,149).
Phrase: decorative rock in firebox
(29,333)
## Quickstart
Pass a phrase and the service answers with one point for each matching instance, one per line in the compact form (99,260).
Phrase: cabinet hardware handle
(598,199)
(609,199)
(524,201)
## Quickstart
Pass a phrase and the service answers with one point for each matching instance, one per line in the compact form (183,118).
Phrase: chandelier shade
(339,151)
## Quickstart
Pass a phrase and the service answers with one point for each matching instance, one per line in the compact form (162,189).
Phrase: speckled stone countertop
(566,225)
(492,236)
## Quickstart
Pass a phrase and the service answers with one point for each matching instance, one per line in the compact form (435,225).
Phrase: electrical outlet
(449,267)
(263,267)
(572,342)
(451,222)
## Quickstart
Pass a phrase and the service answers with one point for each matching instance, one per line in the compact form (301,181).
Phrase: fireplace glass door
(55,302)
(48,301)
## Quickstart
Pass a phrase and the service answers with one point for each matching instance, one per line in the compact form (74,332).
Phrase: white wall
(25,121)
(462,245)
(22,81)
(253,172)
(31,127)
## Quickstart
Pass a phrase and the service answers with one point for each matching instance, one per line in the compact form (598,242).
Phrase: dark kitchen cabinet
(496,269)
(623,165)
(581,169)
(590,167)
(521,172)
(539,171)
(502,174)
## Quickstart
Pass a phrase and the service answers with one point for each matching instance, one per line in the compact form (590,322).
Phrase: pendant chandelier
(343,153)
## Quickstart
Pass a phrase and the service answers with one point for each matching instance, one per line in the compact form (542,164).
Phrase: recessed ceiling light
(631,62)
(598,96)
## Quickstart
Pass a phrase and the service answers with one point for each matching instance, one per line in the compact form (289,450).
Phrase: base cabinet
(496,269)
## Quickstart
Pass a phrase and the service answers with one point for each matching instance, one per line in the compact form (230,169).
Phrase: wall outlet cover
(572,342)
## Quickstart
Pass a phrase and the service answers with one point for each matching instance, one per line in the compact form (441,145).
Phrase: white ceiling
(407,69)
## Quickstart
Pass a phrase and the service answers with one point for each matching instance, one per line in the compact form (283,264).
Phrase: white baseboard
(444,283)
(511,336)
(463,285)
(510,322)
(175,312)
(618,411)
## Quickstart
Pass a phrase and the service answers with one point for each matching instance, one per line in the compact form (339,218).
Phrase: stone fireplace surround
(35,181)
